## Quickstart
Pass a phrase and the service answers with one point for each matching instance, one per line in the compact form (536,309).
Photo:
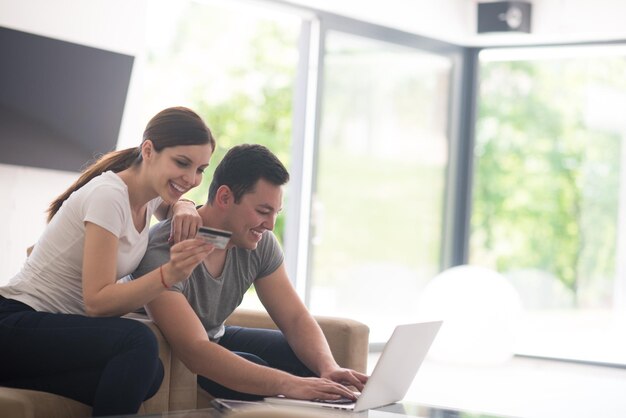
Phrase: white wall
(115,25)
(26,192)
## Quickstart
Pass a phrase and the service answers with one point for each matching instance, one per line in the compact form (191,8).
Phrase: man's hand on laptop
(317,388)
(347,377)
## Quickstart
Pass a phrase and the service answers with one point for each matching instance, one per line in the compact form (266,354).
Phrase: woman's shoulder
(103,190)
(108,179)
(108,183)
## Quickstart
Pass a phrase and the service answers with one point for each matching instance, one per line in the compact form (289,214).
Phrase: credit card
(219,238)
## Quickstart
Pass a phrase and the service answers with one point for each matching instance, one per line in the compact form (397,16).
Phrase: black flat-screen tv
(61,103)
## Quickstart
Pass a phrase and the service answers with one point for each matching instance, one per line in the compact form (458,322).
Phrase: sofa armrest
(348,339)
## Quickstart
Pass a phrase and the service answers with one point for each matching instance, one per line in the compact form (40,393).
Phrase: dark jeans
(261,346)
(109,363)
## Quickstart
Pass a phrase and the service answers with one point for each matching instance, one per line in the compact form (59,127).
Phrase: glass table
(397,410)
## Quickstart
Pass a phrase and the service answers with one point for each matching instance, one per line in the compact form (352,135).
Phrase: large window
(378,199)
(233,62)
(381,153)
(549,194)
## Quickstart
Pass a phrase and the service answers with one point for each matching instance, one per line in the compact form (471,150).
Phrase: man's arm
(300,328)
(184,331)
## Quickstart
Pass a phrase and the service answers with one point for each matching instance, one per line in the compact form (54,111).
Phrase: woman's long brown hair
(171,127)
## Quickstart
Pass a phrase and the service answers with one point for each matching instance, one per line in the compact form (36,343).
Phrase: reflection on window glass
(232,62)
(378,203)
(546,196)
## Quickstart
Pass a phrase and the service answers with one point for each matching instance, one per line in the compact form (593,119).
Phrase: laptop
(397,366)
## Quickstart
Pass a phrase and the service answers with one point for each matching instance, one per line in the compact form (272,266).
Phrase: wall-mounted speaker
(504,16)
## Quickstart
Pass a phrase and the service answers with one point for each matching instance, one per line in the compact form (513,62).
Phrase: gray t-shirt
(213,299)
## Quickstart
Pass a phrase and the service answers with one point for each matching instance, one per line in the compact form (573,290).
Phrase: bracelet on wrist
(162,277)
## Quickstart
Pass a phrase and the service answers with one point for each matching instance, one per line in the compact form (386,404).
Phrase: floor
(522,387)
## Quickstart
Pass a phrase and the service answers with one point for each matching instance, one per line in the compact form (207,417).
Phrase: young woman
(60,329)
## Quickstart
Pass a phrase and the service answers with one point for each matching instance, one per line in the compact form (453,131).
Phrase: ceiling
(552,21)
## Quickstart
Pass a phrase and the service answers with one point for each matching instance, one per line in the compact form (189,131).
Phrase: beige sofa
(348,341)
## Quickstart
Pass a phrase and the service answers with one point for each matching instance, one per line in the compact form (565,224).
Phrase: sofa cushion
(23,403)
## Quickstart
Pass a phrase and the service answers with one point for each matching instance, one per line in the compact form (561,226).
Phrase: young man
(245,197)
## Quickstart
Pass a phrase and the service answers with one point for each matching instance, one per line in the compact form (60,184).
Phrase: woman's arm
(185,218)
(104,297)
(166,210)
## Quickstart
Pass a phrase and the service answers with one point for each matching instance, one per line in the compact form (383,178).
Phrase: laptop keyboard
(340,401)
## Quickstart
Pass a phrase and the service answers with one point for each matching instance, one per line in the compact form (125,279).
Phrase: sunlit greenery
(546,183)
(236,71)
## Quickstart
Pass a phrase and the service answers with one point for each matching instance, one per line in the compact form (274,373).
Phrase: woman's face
(176,170)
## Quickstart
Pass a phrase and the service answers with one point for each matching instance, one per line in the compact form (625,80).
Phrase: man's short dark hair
(243,166)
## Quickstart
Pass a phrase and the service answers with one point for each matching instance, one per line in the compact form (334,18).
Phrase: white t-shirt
(51,278)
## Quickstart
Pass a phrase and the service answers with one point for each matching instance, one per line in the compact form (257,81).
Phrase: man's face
(255,213)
